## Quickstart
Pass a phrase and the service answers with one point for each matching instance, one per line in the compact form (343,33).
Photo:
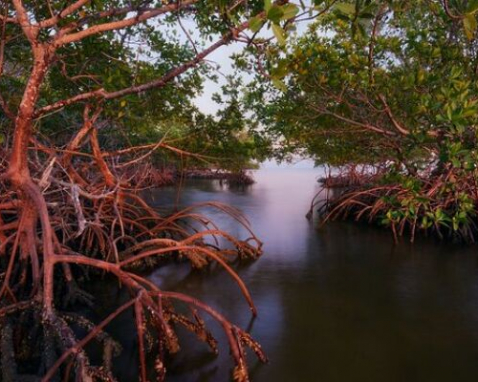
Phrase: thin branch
(373,38)
(65,12)
(390,115)
(121,24)
(6,109)
(100,15)
(449,13)
(30,30)
(366,126)
(3,40)
(103,94)
(188,36)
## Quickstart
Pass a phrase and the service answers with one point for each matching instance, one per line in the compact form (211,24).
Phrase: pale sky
(222,57)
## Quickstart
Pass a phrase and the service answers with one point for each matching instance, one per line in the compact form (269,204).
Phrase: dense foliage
(114,61)
(388,84)
(90,90)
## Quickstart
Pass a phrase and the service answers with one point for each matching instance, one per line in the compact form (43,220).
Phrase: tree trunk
(32,203)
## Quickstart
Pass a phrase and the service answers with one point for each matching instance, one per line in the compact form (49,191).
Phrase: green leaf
(346,9)
(279,33)
(456,224)
(281,70)
(255,23)
(275,14)
(279,85)
(290,11)
(470,24)
(456,163)
(366,15)
(472,6)
(267,5)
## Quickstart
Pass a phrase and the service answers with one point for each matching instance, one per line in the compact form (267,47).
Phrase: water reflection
(337,304)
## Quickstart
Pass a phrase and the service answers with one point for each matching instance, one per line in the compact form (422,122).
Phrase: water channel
(339,303)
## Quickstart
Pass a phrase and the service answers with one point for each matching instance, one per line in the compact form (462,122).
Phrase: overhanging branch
(103,94)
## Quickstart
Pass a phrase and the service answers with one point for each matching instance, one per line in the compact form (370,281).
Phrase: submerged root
(433,205)
(56,234)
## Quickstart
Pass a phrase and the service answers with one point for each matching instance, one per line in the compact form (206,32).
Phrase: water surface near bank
(342,303)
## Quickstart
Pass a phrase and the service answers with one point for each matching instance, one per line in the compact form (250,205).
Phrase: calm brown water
(337,304)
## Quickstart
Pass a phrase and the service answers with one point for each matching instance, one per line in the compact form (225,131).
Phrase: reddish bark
(43,231)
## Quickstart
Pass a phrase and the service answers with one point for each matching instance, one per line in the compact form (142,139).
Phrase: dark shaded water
(337,304)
